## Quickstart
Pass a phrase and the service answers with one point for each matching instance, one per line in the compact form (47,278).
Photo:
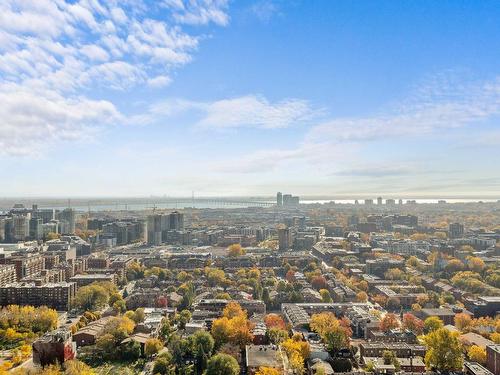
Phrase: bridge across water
(155,203)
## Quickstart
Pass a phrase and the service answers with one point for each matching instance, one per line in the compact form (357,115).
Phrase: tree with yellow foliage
(297,352)
(477,354)
(240,329)
(332,332)
(152,347)
(232,310)
(463,321)
(233,326)
(76,367)
(444,351)
(268,371)
(221,330)
(495,337)
(235,250)
(475,264)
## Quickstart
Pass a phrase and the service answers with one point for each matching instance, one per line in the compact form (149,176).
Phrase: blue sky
(338,98)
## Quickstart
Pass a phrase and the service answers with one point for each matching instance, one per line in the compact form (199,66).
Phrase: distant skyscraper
(279,199)
(290,200)
(67,217)
(368,201)
(284,239)
(155,226)
(36,230)
(455,230)
(176,221)
(379,201)
(46,214)
(158,226)
(390,202)
(21,227)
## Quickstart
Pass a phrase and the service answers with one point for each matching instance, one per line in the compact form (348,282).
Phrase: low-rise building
(53,347)
(7,274)
(263,356)
(493,358)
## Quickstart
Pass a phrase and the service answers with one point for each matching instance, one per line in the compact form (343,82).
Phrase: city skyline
(248,98)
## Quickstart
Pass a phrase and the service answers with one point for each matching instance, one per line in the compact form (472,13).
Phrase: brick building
(55,295)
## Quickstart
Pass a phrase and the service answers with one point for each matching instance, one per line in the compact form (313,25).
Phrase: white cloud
(199,12)
(437,106)
(264,10)
(254,111)
(94,52)
(159,81)
(32,120)
(246,111)
(62,49)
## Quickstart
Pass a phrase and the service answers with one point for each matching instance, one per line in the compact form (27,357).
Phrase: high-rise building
(290,200)
(368,201)
(279,199)
(158,226)
(455,230)
(125,232)
(176,221)
(390,202)
(284,238)
(379,201)
(21,227)
(67,219)
(36,230)
(46,214)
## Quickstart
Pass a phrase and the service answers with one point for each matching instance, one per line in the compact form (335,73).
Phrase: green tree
(444,351)
(164,365)
(202,341)
(390,359)
(325,295)
(183,318)
(91,297)
(131,351)
(222,364)
(277,335)
(119,306)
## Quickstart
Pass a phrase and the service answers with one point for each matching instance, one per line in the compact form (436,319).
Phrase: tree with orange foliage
(463,321)
(240,329)
(290,276)
(412,323)
(388,322)
(361,297)
(380,299)
(274,321)
(319,282)
(345,323)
